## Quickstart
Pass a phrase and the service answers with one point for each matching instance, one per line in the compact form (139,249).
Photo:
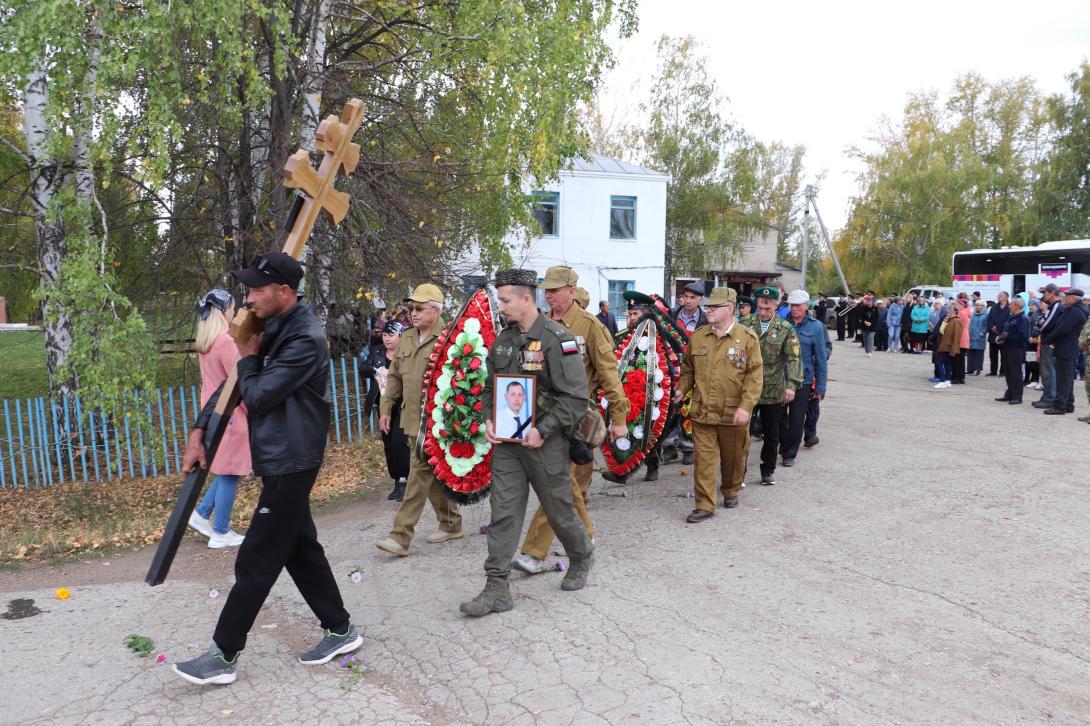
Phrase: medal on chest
(533,358)
(737,355)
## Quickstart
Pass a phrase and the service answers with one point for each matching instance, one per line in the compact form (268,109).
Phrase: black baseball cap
(272,268)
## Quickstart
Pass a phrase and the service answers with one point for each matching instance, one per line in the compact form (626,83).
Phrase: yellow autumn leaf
(63,593)
(105,183)
(437,157)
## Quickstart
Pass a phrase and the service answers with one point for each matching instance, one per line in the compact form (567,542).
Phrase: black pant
(1013,358)
(792,423)
(396,447)
(1065,385)
(281,534)
(993,357)
(771,417)
(840,324)
(976,360)
(957,367)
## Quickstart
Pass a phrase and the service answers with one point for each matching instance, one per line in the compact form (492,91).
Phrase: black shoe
(652,474)
(669,455)
(767,480)
(757,436)
(1003,398)
(615,478)
(958,382)
(1041,404)
(811,443)
(1016,403)
(699,515)
(788,461)
(398,494)
(393,492)
(687,457)
(730,502)
(992,375)
(1056,412)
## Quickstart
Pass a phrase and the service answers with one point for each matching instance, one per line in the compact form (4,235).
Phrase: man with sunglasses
(283,377)
(404,388)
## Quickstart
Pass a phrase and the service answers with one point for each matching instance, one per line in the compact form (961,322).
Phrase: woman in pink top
(217,356)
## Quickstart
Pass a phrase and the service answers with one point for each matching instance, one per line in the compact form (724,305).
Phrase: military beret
(745,300)
(637,299)
(516,276)
(768,292)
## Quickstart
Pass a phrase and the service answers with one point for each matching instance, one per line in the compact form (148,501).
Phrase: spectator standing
(997,322)
(688,315)
(893,323)
(1084,345)
(1050,300)
(395,446)
(821,308)
(881,335)
(607,318)
(978,338)
(1063,337)
(216,355)
(919,317)
(868,324)
(951,362)
(1012,339)
(1033,350)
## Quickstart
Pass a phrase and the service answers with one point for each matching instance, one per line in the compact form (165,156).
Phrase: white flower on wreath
(655,414)
(657,395)
(604,403)
(659,375)
(637,431)
(623,444)
(472,326)
(643,342)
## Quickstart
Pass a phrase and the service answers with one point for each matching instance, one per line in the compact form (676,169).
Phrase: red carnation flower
(467,349)
(474,364)
(474,427)
(478,405)
(460,399)
(476,390)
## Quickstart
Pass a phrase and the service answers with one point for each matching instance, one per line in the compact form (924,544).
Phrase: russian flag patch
(569,347)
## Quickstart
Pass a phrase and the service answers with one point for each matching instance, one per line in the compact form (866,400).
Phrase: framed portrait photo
(514,405)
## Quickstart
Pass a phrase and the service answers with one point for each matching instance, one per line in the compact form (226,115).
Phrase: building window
(539,295)
(616,289)
(622,217)
(547,212)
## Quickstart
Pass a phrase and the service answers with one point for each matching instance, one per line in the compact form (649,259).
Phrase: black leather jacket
(286,390)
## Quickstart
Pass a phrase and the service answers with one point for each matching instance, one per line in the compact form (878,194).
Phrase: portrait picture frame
(510,426)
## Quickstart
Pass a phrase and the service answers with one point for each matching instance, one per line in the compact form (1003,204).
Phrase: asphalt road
(926,563)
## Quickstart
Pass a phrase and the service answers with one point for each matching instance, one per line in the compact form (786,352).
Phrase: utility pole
(811,201)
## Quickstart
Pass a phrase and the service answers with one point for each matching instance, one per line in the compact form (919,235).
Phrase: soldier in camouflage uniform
(1084,344)
(782,373)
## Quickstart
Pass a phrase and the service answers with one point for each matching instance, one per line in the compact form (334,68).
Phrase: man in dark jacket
(997,321)
(606,318)
(1063,338)
(1013,339)
(689,316)
(1050,295)
(283,376)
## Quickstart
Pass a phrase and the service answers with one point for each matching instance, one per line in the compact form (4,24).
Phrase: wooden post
(334,137)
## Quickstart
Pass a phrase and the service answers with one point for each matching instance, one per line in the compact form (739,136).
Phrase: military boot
(576,576)
(494,598)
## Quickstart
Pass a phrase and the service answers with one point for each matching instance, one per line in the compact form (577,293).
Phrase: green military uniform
(725,373)
(780,353)
(600,363)
(404,386)
(561,401)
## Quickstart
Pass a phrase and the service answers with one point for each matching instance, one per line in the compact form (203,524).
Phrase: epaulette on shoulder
(558,330)
(751,331)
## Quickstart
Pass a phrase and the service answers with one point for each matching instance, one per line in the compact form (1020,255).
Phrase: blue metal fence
(45,442)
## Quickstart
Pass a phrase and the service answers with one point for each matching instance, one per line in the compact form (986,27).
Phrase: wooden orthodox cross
(334,137)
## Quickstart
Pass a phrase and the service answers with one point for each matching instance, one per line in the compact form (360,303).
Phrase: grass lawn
(69,520)
(22,362)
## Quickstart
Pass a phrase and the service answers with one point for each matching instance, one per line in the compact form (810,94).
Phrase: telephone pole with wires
(811,201)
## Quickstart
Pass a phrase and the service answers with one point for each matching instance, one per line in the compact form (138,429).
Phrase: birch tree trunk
(46,179)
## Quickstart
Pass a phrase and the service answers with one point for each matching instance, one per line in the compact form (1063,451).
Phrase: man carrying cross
(283,375)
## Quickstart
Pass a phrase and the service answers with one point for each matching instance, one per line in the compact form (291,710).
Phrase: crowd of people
(1035,340)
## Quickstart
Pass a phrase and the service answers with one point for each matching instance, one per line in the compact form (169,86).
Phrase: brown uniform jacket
(596,345)
(725,374)
(951,337)
(405,381)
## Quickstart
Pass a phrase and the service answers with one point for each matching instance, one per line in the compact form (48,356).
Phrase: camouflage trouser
(1087,382)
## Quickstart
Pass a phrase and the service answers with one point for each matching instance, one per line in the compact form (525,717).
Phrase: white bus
(1019,269)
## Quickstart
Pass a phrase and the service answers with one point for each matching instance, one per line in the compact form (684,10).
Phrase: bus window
(1018,285)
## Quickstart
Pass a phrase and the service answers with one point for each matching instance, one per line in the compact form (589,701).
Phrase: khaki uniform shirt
(560,388)
(599,360)
(780,351)
(724,374)
(405,381)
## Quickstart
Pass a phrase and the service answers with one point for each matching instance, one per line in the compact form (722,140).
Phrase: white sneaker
(200,524)
(529,565)
(231,539)
(944,384)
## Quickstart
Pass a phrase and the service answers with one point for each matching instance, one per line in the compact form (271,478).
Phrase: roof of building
(598,164)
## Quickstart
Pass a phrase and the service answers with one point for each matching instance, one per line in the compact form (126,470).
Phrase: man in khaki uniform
(724,369)
(782,373)
(532,346)
(596,347)
(404,386)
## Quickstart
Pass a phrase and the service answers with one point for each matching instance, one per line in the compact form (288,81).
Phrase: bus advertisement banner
(1058,273)
(987,285)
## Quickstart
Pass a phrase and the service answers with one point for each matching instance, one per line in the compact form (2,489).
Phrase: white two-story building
(605,218)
